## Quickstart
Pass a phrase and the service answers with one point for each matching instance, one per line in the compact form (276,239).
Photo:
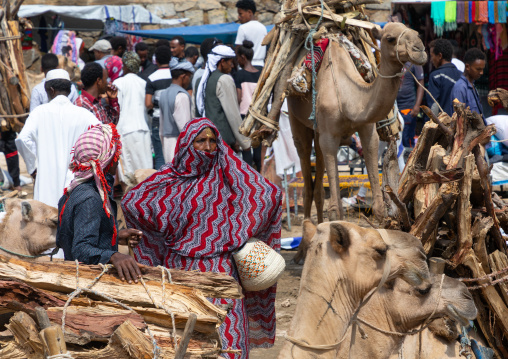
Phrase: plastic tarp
(195,34)
(128,14)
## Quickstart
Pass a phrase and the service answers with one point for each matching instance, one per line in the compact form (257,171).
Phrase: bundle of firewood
(168,313)
(286,40)
(14,91)
(445,198)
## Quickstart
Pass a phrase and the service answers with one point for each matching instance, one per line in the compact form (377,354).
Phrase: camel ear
(339,237)
(377,31)
(26,211)
(54,220)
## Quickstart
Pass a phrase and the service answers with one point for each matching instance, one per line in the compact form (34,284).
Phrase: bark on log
(62,278)
(427,222)
(480,229)
(26,335)
(424,193)
(391,177)
(487,192)
(416,161)
(490,293)
(86,324)
(498,261)
(464,235)
(428,177)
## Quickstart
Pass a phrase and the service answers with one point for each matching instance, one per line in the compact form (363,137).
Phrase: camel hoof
(332,216)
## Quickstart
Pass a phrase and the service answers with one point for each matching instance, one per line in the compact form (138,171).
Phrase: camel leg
(330,146)
(302,137)
(370,144)
(319,191)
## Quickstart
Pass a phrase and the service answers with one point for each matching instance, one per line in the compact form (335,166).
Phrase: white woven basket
(259,266)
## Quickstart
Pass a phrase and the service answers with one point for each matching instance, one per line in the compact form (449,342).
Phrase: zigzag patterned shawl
(199,209)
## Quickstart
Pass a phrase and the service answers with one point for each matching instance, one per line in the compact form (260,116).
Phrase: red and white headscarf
(95,152)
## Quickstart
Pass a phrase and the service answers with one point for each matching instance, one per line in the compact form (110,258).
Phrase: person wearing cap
(95,82)
(101,51)
(175,108)
(46,140)
(39,95)
(132,125)
(87,228)
(217,99)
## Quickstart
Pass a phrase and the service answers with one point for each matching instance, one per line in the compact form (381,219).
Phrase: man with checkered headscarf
(132,124)
(87,228)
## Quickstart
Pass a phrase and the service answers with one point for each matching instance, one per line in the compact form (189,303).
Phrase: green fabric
(437,14)
(450,11)
(214,111)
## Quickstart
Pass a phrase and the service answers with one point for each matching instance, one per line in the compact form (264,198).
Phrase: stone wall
(210,11)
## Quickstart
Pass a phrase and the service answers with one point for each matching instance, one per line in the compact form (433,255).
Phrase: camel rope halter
(354,317)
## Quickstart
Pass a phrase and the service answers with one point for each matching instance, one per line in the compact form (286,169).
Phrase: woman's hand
(130,237)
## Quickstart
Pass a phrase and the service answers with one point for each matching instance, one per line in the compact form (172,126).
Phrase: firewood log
(417,161)
(498,261)
(62,278)
(465,238)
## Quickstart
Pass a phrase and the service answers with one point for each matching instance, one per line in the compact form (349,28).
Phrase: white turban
(218,53)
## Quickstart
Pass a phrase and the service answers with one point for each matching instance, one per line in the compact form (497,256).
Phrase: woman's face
(205,141)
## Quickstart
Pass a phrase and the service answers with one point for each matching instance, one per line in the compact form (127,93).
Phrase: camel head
(409,47)
(347,252)
(30,228)
(407,307)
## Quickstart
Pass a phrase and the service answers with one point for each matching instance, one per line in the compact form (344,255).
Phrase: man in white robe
(49,134)
(132,125)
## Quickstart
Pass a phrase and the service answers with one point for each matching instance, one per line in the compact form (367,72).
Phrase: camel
(27,227)
(399,307)
(346,104)
(344,263)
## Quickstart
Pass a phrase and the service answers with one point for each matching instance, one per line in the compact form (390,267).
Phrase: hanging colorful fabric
(471,12)
(467,12)
(492,12)
(501,5)
(450,15)
(437,14)
(483,13)
(461,13)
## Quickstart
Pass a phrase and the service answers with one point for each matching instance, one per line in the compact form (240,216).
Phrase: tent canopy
(129,13)
(195,34)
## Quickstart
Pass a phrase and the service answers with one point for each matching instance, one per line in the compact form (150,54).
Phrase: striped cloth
(95,152)
(196,212)
(319,51)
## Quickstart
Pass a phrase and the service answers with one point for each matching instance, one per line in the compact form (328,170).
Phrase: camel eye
(390,39)
(381,251)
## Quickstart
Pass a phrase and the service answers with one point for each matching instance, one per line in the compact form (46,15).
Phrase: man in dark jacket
(444,77)
(87,228)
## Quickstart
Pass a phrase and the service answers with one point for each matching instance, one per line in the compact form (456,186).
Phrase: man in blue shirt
(464,89)
(443,78)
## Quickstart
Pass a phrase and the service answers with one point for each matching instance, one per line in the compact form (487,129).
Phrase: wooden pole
(187,333)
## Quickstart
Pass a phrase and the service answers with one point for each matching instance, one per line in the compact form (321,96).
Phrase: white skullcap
(57,74)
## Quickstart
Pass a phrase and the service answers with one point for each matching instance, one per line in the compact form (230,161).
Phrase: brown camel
(344,263)
(399,307)
(27,227)
(346,104)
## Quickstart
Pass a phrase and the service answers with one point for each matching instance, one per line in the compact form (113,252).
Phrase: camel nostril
(423,291)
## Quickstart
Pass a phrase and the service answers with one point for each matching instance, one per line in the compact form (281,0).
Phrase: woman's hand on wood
(130,237)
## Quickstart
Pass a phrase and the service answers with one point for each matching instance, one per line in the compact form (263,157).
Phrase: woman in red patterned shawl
(197,211)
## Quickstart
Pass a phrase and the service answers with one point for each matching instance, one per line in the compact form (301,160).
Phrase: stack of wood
(113,319)
(286,41)
(445,198)
(14,91)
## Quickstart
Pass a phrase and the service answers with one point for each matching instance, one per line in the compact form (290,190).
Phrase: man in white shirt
(49,134)
(132,125)
(39,96)
(175,108)
(251,30)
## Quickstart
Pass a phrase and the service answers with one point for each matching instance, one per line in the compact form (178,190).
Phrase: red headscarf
(199,209)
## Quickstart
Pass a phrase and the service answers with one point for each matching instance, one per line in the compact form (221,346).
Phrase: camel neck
(382,93)
(322,317)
